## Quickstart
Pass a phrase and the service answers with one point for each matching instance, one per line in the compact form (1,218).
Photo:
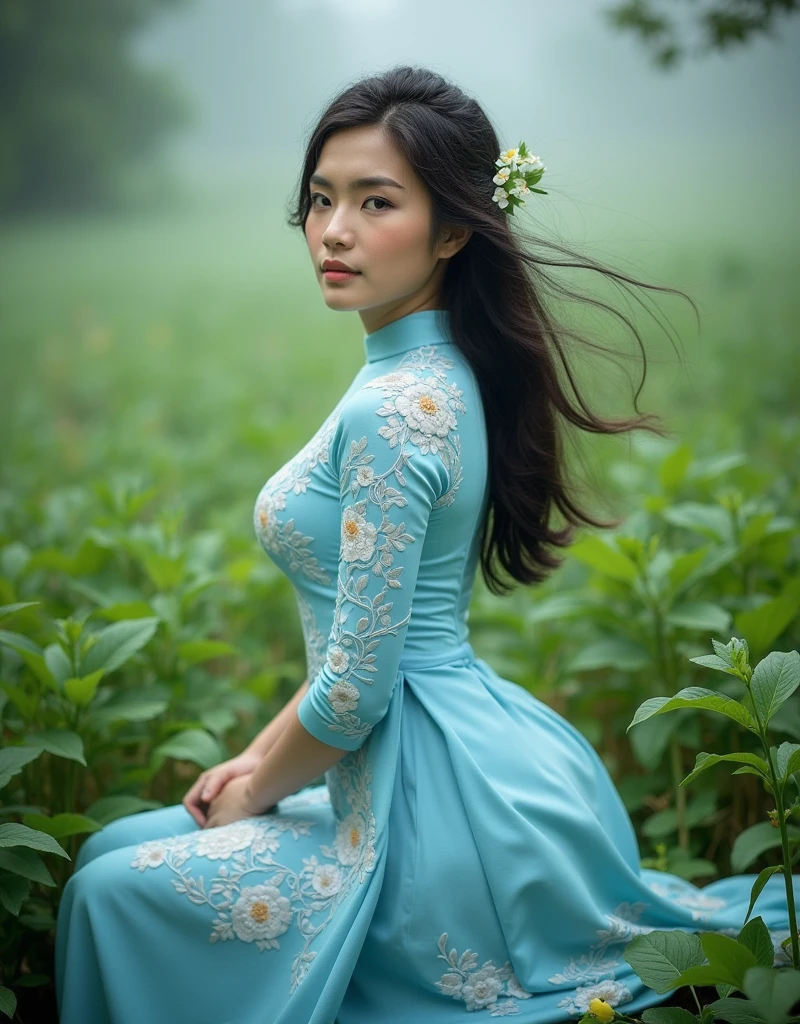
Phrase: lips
(337,266)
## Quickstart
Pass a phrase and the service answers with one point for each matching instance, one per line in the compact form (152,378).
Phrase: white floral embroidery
(263,911)
(686,895)
(596,970)
(420,412)
(479,988)
(282,540)
(260,914)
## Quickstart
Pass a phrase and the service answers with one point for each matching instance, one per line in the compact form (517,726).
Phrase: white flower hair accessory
(518,174)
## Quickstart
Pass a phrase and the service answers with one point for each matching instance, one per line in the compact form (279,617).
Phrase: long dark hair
(494,291)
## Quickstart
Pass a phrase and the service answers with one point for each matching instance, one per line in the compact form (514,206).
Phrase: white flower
(222,842)
(350,838)
(424,407)
(507,156)
(531,163)
(358,536)
(502,176)
(327,879)
(520,188)
(150,854)
(481,988)
(338,659)
(500,197)
(365,475)
(260,913)
(343,697)
(611,992)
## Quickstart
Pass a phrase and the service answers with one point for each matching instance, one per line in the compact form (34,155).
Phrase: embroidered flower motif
(611,992)
(327,879)
(358,536)
(260,915)
(479,987)
(281,540)
(343,696)
(365,475)
(338,659)
(313,638)
(350,839)
(222,842)
(701,905)
(427,414)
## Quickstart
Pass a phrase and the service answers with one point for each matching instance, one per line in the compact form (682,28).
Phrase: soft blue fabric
(469,857)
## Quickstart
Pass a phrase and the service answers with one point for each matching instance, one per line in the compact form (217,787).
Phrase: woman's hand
(232,804)
(209,783)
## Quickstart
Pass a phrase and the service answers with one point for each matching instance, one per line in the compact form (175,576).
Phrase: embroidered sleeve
(395,449)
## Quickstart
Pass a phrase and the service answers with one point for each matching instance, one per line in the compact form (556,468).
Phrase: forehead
(352,153)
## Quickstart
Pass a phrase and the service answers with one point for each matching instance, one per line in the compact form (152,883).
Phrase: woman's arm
(272,730)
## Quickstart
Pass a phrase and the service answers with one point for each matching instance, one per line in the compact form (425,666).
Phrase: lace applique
(479,988)
(260,910)
(419,413)
(684,894)
(281,539)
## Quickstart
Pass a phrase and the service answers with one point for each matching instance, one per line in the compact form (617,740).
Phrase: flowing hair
(494,291)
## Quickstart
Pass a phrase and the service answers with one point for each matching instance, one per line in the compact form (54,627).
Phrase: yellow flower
(601,1009)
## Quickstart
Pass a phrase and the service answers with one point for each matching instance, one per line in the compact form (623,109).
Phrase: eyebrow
(368,182)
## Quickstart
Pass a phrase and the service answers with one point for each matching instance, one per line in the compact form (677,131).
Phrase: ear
(454,237)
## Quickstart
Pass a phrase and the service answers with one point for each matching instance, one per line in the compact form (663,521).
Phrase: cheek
(399,240)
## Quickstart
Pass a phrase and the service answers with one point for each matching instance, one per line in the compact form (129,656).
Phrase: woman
(468,853)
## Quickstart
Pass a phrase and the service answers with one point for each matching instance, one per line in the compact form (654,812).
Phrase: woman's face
(380,230)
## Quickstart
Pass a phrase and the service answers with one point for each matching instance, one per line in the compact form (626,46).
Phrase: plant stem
(680,792)
(787,860)
(699,1007)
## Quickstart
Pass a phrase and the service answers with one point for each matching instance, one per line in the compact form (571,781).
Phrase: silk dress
(469,856)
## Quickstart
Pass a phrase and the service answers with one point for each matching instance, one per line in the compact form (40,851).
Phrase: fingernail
(205,793)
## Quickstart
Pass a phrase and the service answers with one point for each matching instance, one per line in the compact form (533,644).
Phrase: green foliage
(721,23)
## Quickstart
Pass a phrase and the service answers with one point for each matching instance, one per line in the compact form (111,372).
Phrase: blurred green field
(195,344)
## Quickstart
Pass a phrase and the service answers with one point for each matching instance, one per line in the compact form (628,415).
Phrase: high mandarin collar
(424,327)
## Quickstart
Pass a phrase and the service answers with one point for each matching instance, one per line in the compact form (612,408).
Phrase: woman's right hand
(210,782)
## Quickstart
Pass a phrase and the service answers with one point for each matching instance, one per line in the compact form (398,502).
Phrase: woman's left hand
(232,803)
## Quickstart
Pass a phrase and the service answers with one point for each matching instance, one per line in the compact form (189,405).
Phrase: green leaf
(683,569)
(599,555)
(755,840)
(665,823)
(12,834)
(668,1015)
(728,954)
(660,957)
(57,662)
(755,935)
(775,678)
(702,616)
(109,808)
(774,993)
(194,745)
(705,761)
(611,652)
(62,825)
(699,698)
(672,471)
(735,1011)
(12,609)
(14,891)
(8,1002)
(788,759)
(118,642)
(32,655)
(763,625)
(26,863)
(61,742)
(711,520)
(13,759)
(134,706)
(650,740)
(194,651)
(81,689)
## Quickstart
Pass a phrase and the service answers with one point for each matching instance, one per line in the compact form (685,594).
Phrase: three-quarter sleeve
(388,486)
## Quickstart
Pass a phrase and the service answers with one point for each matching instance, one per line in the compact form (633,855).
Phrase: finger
(213,786)
(196,812)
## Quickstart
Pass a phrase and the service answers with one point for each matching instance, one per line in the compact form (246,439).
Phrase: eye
(377,199)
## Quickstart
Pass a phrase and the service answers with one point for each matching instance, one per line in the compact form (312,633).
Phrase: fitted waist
(438,656)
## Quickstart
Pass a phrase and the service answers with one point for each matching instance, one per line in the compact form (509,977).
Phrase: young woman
(468,856)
